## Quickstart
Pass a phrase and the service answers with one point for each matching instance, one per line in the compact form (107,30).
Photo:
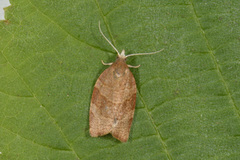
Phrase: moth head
(122,55)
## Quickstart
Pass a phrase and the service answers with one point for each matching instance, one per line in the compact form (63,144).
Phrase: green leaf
(188,102)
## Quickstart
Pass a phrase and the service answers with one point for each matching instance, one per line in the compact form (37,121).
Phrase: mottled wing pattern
(113,102)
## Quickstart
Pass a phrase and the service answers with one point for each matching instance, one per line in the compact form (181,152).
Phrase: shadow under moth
(114,98)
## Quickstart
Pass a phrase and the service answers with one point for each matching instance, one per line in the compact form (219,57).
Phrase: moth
(114,98)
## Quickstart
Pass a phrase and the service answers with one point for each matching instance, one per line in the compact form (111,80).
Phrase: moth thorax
(119,72)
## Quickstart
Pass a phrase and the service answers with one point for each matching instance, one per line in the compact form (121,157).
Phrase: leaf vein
(155,127)
(215,61)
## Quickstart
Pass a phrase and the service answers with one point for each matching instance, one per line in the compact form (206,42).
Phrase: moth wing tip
(121,136)
(92,134)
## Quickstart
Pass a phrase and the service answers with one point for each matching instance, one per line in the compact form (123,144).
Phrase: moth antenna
(106,64)
(130,66)
(99,26)
(138,54)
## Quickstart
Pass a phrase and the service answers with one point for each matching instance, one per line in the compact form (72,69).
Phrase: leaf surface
(188,102)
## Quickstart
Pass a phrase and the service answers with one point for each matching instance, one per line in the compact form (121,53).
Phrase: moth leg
(130,66)
(106,64)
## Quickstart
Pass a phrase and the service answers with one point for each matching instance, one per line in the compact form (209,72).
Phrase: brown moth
(114,98)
